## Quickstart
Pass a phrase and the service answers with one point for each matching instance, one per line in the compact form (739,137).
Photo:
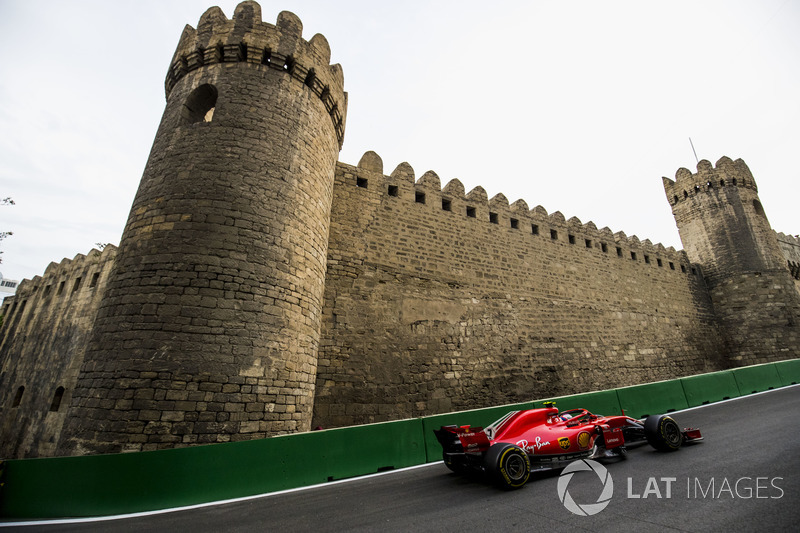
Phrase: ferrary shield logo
(583,439)
(564,443)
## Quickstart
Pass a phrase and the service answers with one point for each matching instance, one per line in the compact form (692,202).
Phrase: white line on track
(297,489)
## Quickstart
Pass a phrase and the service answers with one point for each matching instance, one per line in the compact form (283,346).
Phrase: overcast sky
(580,107)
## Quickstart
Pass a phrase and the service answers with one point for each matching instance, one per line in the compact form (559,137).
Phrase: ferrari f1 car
(534,440)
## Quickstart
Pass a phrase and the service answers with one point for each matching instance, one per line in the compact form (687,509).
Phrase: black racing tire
(663,433)
(454,464)
(508,465)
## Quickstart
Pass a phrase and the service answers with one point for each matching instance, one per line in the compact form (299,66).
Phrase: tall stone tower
(209,327)
(724,228)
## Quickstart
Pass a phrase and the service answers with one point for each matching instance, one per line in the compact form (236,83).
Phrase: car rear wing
(462,439)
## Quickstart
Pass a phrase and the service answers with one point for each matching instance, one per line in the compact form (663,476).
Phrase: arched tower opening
(55,405)
(200,104)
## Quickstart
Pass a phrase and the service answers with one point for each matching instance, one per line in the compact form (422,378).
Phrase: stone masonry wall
(209,328)
(790,247)
(724,227)
(437,300)
(45,330)
(261,288)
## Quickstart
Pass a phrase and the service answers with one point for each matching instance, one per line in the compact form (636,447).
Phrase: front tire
(508,465)
(663,433)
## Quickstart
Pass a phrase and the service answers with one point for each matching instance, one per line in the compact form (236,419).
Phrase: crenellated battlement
(247,39)
(516,216)
(790,247)
(726,173)
(792,240)
(55,271)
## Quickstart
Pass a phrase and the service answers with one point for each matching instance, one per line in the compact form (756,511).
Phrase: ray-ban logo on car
(585,509)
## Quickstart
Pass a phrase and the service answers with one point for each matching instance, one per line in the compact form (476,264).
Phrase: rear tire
(663,433)
(508,465)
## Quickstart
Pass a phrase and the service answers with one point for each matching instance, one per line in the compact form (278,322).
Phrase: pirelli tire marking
(514,466)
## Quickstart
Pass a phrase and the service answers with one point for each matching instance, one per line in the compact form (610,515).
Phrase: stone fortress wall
(219,278)
(440,300)
(790,246)
(751,281)
(46,327)
(261,287)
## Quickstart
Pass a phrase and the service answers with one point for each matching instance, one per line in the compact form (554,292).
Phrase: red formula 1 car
(543,439)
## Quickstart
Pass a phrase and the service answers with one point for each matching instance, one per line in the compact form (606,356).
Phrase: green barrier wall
(789,371)
(126,483)
(599,402)
(756,378)
(707,388)
(652,398)
(475,417)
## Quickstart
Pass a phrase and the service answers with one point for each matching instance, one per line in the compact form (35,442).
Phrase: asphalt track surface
(745,476)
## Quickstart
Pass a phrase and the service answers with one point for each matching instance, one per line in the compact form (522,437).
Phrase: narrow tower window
(290,65)
(199,106)
(56,403)
(18,397)
(310,77)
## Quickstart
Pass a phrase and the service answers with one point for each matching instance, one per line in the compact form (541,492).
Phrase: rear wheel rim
(515,467)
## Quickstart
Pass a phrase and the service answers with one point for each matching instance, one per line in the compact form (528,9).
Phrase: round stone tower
(209,327)
(724,228)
